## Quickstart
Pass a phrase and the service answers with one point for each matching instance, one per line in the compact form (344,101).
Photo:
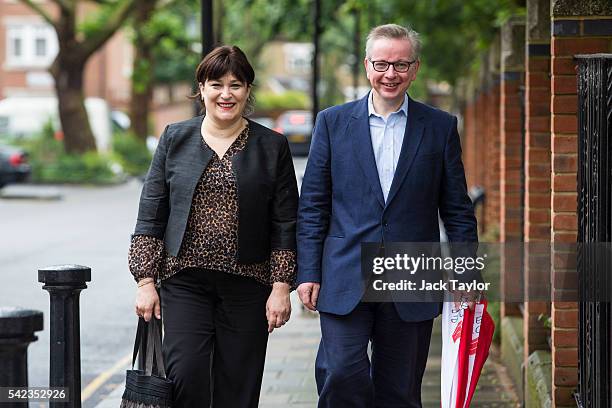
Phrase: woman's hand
(278,307)
(147,300)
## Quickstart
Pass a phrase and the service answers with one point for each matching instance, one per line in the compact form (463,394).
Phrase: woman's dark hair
(225,59)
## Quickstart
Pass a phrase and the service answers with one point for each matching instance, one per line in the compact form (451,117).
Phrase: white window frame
(29,32)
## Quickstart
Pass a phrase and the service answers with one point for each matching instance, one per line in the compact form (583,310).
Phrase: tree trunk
(142,72)
(78,136)
(75,48)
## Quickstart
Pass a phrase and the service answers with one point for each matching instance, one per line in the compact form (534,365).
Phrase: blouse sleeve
(146,256)
(282,266)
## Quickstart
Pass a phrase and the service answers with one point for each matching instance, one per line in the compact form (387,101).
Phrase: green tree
(145,38)
(160,34)
(454,32)
(77,42)
(250,24)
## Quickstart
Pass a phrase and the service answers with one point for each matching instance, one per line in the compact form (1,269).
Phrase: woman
(216,225)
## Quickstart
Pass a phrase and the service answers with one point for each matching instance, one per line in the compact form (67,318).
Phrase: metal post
(356,52)
(17,328)
(64,284)
(315,59)
(208,41)
(208,36)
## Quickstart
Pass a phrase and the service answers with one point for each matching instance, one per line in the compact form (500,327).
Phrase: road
(88,226)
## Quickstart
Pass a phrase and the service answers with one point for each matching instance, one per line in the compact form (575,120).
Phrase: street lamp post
(356,52)
(207,39)
(315,59)
(208,35)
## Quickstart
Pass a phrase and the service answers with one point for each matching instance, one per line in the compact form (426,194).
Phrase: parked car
(296,125)
(14,167)
(264,121)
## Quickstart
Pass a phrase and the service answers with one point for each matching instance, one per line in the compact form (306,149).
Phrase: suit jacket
(267,189)
(342,204)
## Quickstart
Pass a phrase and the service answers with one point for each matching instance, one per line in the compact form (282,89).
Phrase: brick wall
(573,34)
(510,157)
(481,147)
(511,153)
(492,148)
(467,141)
(537,172)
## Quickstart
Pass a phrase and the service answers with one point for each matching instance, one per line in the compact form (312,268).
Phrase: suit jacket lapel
(359,129)
(197,156)
(412,140)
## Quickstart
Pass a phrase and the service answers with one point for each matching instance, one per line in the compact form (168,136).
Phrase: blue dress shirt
(387,137)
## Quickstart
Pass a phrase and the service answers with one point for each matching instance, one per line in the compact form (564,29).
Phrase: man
(380,169)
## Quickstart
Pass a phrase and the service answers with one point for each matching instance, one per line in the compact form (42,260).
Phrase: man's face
(390,86)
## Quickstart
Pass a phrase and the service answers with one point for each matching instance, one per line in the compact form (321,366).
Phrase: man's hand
(463,299)
(309,293)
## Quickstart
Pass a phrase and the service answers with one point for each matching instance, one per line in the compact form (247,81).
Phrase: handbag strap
(137,343)
(154,347)
(154,350)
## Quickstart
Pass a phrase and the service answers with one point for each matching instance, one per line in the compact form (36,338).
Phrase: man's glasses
(398,66)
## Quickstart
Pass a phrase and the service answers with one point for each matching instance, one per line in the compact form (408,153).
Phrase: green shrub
(285,101)
(90,167)
(50,163)
(131,153)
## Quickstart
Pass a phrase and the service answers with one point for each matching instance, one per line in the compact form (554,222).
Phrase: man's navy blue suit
(341,206)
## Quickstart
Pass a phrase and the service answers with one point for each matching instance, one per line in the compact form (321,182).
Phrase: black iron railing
(594,226)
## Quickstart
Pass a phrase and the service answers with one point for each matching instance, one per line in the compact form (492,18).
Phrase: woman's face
(224,98)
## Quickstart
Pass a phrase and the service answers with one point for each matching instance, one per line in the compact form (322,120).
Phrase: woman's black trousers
(215,337)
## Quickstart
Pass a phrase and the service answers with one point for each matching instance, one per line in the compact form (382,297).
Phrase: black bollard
(64,284)
(17,328)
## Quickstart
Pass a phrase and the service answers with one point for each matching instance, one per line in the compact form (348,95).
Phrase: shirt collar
(371,111)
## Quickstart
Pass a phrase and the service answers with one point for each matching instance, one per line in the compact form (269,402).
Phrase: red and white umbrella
(466,338)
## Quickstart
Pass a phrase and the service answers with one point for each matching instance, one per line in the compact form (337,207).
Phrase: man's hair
(396,32)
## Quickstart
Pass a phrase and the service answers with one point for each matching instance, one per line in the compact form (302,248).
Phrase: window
(30,45)
(40,42)
(299,64)
(41,47)
(17,52)
(298,57)
(15,43)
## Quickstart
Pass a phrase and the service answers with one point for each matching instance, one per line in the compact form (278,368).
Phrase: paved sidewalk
(30,192)
(494,389)
(289,372)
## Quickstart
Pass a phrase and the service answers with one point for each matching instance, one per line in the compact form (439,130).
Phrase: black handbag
(148,388)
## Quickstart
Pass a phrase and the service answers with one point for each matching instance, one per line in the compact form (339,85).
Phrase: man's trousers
(346,378)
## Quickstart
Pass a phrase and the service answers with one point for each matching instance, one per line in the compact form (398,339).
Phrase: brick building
(28,45)
(520,141)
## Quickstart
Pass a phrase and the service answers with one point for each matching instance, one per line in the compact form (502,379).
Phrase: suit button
(385,225)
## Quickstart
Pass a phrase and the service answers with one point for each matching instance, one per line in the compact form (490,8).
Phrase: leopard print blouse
(211,235)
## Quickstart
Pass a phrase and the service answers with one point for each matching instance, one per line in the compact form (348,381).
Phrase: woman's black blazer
(265,178)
